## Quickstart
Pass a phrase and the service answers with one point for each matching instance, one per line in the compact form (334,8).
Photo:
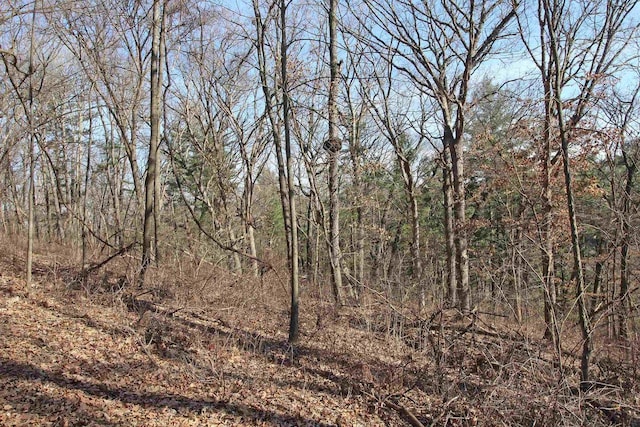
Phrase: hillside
(100,353)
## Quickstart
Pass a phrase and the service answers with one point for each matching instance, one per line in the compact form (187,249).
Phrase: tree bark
(293,232)
(154,140)
(625,296)
(450,249)
(334,145)
(32,157)
(454,144)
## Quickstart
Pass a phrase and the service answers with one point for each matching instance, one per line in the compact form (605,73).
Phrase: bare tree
(356,99)
(393,122)
(153,170)
(439,46)
(27,80)
(580,45)
(281,142)
(621,112)
(334,146)
(114,33)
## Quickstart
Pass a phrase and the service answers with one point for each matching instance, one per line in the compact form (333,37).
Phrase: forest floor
(206,348)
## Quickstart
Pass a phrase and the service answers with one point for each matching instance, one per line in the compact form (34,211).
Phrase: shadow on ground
(181,404)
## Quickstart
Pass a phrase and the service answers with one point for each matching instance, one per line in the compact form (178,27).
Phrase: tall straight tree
(334,146)
(278,124)
(293,229)
(601,57)
(150,200)
(29,111)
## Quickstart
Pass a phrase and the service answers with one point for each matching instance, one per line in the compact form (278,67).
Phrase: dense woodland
(417,161)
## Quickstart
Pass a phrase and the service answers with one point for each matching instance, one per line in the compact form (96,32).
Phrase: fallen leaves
(63,368)
(68,360)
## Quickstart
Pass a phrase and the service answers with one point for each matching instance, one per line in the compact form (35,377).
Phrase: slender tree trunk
(597,278)
(354,148)
(157,183)
(625,297)
(294,274)
(583,312)
(32,159)
(450,252)
(30,209)
(334,146)
(150,180)
(49,174)
(255,268)
(235,257)
(359,247)
(78,219)
(47,208)
(516,271)
(249,227)
(415,247)
(459,219)
(611,294)
(275,126)
(86,189)
(307,262)
(548,272)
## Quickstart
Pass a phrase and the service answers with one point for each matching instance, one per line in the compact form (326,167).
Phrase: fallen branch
(95,266)
(405,412)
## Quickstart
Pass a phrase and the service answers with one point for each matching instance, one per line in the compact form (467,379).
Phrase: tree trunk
(293,231)
(583,312)
(154,140)
(517,266)
(334,145)
(275,126)
(235,257)
(459,220)
(85,190)
(157,184)
(625,296)
(32,158)
(359,232)
(452,294)
(415,248)
(31,208)
(548,273)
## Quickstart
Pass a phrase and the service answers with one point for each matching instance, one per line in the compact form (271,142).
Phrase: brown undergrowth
(200,346)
